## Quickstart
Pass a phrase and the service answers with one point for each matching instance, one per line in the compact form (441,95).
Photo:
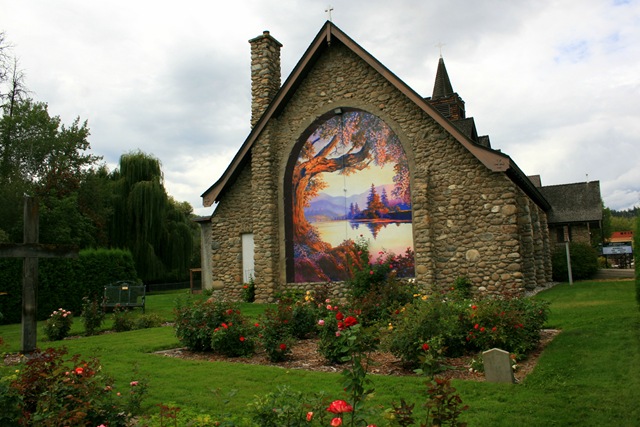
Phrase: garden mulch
(304,355)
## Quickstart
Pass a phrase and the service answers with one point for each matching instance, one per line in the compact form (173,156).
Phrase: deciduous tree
(148,222)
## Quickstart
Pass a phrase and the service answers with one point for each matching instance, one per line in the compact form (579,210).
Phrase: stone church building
(345,150)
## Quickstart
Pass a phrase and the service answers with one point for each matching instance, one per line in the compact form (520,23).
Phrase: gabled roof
(330,34)
(578,202)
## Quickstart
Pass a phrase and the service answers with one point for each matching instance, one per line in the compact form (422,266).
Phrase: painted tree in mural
(345,145)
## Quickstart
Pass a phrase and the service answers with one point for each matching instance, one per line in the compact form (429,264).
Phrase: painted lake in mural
(382,236)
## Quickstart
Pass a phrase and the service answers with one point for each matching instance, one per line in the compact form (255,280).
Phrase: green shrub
(234,337)
(375,289)
(57,326)
(64,282)
(304,318)
(51,389)
(122,319)
(196,319)
(584,262)
(148,321)
(510,324)
(454,327)
(249,291)
(275,332)
(443,406)
(286,407)
(92,315)
(333,344)
(434,321)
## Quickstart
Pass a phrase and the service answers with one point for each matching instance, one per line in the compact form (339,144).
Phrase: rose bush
(53,389)
(58,325)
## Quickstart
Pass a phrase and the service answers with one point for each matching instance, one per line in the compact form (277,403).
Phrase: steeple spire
(442,87)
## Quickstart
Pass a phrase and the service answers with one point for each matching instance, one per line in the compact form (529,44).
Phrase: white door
(247,257)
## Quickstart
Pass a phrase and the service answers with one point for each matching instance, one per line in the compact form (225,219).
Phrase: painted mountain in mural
(330,208)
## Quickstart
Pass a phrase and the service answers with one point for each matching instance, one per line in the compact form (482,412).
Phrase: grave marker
(497,366)
(30,251)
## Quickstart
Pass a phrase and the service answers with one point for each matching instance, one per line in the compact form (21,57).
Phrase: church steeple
(444,99)
(442,88)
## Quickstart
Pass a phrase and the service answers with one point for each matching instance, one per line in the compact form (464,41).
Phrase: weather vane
(328,10)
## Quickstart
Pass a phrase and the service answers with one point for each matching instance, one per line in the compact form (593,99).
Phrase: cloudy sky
(555,84)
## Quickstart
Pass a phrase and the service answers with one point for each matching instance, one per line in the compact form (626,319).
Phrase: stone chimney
(265,73)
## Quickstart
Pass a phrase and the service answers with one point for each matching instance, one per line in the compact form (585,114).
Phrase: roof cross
(328,10)
(439,46)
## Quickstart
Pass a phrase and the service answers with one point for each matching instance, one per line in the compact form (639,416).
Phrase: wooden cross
(329,10)
(30,251)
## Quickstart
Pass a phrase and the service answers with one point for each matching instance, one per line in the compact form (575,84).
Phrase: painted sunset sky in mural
(350,184)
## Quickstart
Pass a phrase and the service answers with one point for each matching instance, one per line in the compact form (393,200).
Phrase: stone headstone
(497,366)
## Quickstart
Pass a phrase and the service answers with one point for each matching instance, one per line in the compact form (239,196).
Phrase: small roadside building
(576,211)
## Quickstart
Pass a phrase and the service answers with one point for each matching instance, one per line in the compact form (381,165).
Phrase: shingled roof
(442,88)
(578,202)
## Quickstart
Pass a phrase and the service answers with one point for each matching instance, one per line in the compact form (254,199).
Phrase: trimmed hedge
(62,283)
(584,262)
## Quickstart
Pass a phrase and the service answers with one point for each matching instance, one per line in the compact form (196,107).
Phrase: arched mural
(349,182)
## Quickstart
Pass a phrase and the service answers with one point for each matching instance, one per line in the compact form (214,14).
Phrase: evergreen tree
(384,198)
(375,208)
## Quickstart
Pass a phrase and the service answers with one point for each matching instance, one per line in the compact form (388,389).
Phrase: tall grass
(588,376)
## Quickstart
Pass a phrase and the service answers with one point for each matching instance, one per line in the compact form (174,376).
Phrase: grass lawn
(588,376)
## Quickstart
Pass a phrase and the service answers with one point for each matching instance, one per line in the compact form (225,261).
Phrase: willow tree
(148,222)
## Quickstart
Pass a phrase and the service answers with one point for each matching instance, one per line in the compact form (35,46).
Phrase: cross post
(30,251)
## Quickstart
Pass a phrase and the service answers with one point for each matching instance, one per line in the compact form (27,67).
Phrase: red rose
(242,339)
(350,321)
(339,316)
(425,347)
(283,347)
(336,422)
(339,407)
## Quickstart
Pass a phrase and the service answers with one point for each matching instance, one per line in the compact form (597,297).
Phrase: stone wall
(232,218)
(468,221)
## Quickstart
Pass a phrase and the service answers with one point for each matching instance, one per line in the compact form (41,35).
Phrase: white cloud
(554,84)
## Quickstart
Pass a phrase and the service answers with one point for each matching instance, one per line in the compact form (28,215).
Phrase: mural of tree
(344,144)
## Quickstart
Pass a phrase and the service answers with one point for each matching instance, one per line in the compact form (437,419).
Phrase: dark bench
(124,293)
